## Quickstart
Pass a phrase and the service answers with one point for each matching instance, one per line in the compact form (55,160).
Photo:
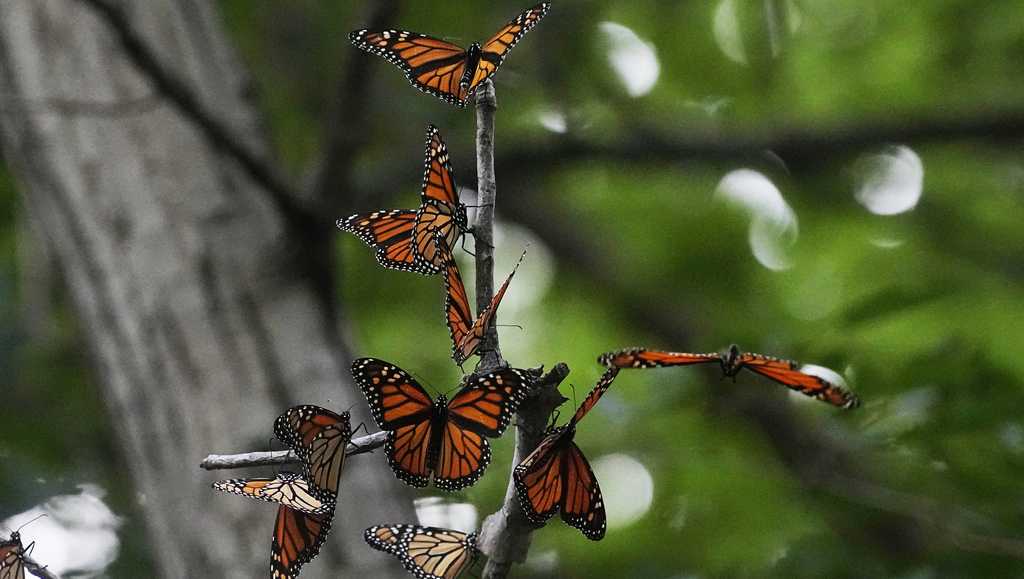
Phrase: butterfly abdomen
(438,423)
(472,60)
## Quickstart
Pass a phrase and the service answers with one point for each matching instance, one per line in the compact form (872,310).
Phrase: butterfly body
(443,69)
(443,439)
(12,557)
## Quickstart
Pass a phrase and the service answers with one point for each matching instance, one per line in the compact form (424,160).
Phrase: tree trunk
(206,315)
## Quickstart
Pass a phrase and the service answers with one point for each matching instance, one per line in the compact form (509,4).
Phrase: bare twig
(360,445)
(38,570)
(218,133)
(483,230)
(505,534)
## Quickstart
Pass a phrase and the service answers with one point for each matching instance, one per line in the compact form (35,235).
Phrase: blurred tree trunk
(206,315)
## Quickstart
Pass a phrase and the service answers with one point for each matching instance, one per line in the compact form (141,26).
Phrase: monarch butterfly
(12,557)
(785,372)
(467,333)
(417,240)
(426,552)
(288,489)
(556,476)
(302,523)
(439,437)
(441,68)
(319,437)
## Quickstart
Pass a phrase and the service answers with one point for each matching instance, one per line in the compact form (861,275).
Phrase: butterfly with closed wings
(441,68)
(417,240)
(467,332)
(557,477)
(785,372)
(426,552)
(446,439)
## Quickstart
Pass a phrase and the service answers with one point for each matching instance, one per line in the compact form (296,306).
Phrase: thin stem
(483,230)
(505,534)
(360,445)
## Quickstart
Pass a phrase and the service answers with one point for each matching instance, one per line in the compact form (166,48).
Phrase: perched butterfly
(467,333)
(441,68)
(439,437)
(785,372)
(288,489)
(556,476)
(417,240)
(12,557)
(319,438)
(302,524)
(426,552)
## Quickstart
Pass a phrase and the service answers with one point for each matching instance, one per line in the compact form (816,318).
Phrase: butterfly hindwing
(644,358)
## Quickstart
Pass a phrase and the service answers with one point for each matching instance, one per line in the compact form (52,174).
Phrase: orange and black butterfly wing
(458,312)
(402,407)
(470,342)
(482,409)
(603,383)
(391,233)
(297,540)
(12,562)
(644,358)
(431,64)
(787,373)
(539,477)
(582,504)
(319,438)
(497,47)
(441,218)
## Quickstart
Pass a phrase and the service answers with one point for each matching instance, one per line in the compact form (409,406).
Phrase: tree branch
(219,134)
(794,145)
(483,230)
(505,534)
(360,445)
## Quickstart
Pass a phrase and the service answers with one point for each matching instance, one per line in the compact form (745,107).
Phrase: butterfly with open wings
(417,240)
(446,439)
(785,372)
(441,68)
(557,477)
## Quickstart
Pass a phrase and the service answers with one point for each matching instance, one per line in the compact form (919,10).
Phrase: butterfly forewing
(603,383)
(286,489)
(319,438)
(495,49)
(466,332)
(391,233)
(297,540)
(582,505)
(538,478)
(488,402)
(395,398)
(644,358)
(787,373)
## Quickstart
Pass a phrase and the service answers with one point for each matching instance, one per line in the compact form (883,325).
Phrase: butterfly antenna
(34,519)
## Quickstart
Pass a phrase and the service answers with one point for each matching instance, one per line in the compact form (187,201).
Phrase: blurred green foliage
(927,329)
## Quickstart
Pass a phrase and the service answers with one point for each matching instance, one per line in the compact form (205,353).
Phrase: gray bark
(203,311)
